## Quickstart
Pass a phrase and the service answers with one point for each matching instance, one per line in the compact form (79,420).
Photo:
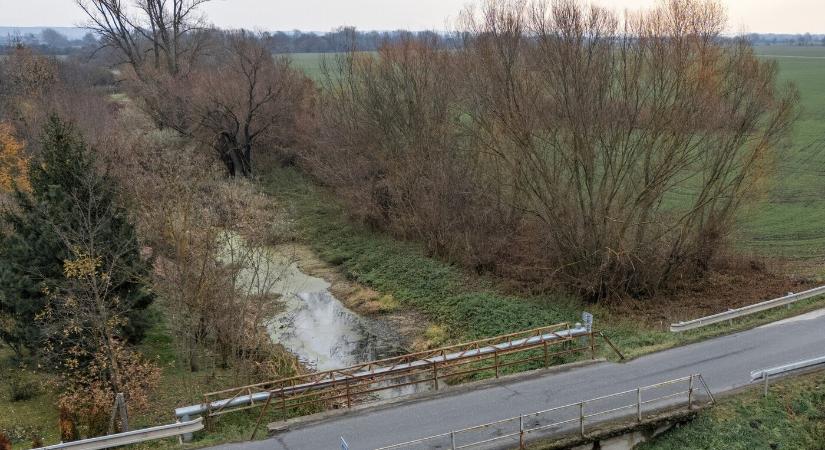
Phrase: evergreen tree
(67,196)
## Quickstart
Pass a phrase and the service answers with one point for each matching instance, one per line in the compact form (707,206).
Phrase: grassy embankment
(791,417)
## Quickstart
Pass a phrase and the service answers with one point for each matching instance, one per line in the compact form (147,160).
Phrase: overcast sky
(774,16)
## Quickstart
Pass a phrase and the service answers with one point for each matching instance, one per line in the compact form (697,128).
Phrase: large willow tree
(560,142)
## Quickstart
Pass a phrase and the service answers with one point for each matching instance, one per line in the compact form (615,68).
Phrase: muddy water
(311,322)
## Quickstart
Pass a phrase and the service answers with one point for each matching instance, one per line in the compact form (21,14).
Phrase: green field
(310,63)
(789,222)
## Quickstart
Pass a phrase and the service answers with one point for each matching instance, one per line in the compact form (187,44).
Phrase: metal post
(592,346)
(639,404)
(207,418)
(581,418)
(435,376)
(690,392)
(521,432)
(495,356)
(283,404)
(452,440)
(765,379)
(349,398)
(546,360)
(186,437)
(707,389)
(261,416)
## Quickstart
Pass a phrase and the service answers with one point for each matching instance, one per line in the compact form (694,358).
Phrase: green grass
(791,417)
(789,221)
(21,420)
(310,63)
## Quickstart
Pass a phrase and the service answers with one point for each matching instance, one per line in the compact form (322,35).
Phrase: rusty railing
(360,383)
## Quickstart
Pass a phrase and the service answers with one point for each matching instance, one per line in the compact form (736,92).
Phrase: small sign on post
(587,320)
(344,445)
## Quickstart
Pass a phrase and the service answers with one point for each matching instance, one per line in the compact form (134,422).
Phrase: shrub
(22,388)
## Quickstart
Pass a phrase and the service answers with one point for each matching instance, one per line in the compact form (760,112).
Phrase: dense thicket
(560,142)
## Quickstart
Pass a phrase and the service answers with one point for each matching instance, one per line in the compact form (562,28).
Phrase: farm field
(310,63)
(788,222)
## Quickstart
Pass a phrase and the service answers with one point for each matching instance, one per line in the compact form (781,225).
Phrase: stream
(311,323)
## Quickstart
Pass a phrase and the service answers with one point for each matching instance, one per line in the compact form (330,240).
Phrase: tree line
(560,144)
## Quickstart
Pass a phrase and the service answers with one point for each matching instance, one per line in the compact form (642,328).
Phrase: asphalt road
(724,362)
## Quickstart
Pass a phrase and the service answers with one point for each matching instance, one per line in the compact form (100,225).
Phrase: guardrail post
(707,388)
(581,419)
(521,432)
(639,404)
(435,376)
(207,418)
(690,392)
(495,358)
(592,346)
(187,437)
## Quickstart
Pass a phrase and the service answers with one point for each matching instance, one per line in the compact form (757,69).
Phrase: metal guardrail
(132,437)
(517,429)
(746,310)
(765,374)
(758,374)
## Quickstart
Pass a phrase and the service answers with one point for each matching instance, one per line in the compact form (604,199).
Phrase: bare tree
(633,142)
(566,142)
(247,98)
(165,29)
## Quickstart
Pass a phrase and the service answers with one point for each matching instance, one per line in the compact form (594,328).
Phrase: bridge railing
(573,418)
(363,382)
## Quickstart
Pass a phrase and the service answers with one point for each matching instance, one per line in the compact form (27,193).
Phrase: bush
(22,388)
(20,433)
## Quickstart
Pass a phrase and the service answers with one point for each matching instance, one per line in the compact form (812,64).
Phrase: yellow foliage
(81,267)
(14,166)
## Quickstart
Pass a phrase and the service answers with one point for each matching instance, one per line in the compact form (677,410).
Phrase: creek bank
(408,325)
(310,321)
